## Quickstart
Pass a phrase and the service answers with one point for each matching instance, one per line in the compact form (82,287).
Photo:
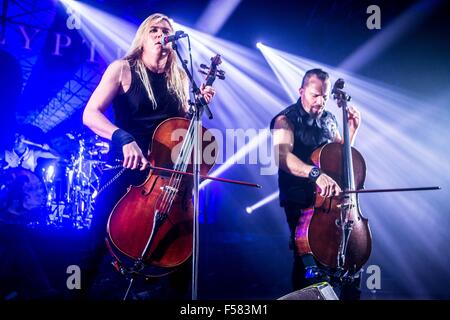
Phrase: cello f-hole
(145,192)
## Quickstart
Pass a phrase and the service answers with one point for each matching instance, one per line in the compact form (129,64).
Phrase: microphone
(172,38)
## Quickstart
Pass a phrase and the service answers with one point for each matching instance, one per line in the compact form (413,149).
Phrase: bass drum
(23,197)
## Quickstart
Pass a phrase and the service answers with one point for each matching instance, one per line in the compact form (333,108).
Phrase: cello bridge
(169,189)
(346,205)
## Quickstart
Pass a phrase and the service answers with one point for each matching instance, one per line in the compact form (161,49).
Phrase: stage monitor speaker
(318,291)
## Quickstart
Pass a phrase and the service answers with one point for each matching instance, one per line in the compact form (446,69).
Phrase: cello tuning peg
(203,72)
(204,66)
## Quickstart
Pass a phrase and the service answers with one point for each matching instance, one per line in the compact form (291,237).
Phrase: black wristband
(121,137)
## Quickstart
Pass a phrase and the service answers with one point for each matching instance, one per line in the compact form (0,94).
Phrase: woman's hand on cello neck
(208,92)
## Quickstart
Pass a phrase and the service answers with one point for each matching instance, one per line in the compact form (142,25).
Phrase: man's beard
(316,114)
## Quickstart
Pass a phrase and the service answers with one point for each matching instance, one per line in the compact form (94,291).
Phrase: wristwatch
(314,174)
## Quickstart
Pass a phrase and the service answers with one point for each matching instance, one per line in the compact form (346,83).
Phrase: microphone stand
(200,106)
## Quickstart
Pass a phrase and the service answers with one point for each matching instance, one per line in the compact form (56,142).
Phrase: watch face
(315,172)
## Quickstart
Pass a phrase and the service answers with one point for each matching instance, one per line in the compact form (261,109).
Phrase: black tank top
(135,113)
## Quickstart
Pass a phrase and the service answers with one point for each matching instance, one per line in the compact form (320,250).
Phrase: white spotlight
(262,202)
(259,45)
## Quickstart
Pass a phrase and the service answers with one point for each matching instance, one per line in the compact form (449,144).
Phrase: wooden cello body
(152,223)
(319,233)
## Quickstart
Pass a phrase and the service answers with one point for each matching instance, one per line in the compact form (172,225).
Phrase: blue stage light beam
(110,35)
(216,15)
(97,29)
(269,198)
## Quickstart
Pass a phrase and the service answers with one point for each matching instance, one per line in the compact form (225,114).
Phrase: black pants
(347,291)
(174,286)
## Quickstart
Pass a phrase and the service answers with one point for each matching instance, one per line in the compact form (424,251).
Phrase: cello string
(167,194)
(184,167)
(180,165)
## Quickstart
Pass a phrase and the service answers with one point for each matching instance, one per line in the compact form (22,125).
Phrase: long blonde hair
(175,75)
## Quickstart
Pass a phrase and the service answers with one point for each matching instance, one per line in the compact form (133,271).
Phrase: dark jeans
(173,286)
(348,291)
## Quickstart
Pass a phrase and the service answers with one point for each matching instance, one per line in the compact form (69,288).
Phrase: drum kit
(61,192)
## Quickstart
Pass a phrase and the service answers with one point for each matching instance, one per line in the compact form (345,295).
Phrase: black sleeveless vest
(309,134)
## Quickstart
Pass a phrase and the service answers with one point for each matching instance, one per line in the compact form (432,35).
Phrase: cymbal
(102,144)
